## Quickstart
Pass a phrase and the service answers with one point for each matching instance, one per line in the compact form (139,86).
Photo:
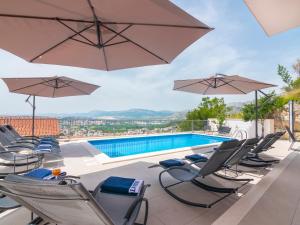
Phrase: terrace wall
(43,126)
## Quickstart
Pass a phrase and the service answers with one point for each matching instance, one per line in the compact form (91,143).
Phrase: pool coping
(105,159)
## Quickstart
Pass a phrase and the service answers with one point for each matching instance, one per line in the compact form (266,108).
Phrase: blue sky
(238,45)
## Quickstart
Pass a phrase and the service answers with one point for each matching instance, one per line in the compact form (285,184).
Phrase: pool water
(138,145)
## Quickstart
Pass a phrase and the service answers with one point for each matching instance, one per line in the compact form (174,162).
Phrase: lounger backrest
(8,133)
(247,146)
(69,204)
(276,137)
(290,134)
(261,146)
(224,130)
(4,139)
(13,131)
(219,157)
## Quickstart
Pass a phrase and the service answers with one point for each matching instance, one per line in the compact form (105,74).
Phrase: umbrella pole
(33,115)
(291,116)
(256,114)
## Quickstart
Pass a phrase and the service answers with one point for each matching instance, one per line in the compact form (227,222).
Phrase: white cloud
(228,49)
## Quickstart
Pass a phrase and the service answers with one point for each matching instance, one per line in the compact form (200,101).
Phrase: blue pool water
(138,145)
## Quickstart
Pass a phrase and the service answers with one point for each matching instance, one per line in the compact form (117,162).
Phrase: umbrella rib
(99,33)
(70,28)
(108,23)
(197,82)
(116,35)
(103,50)
(204,93)
(76,88)
(32,85)
(136,44)
(117,43)
(61,42)
(74,39)
(45,18)
(236,88)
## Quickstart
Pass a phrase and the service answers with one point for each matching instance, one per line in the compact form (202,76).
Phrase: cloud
(236,46)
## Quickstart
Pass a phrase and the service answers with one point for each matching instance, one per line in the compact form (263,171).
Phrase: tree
(270,107)
(296,67)
(292,88)
(208,108)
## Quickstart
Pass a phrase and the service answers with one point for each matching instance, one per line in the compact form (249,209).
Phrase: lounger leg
(231,178)
(214,189)
(202,205)
(255,166)
(291,146)
(145,200)
(258,159)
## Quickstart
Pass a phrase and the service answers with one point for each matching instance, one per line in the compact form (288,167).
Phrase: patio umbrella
(51,87)
(98,34)
(275,16)
(221,84)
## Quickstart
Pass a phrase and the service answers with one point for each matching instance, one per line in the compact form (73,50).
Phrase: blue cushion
(117,185)
(171,162)
(197,157)
(39,173)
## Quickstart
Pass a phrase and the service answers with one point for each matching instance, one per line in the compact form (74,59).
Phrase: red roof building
(43,126)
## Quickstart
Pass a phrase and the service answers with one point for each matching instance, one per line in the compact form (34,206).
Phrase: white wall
(249,127)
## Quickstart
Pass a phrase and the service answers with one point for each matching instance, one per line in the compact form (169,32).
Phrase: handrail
(240,132)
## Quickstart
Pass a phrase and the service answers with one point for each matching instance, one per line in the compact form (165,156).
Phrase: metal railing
(99,127)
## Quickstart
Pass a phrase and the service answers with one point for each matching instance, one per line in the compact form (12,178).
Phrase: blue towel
(197,157)
(117,185)
(38,173)
(46,142)
(171,162)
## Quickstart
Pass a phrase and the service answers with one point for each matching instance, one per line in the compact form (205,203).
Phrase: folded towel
(46,142)
(197,157)
(43,148)
(171,162)
(121,185)
(40,173)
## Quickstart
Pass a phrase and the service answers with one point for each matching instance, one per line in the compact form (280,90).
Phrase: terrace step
(275,200)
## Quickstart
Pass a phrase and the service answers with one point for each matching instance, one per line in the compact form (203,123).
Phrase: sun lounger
(265,144)
(45,149)
(64,202)
(293,139)
(6,138)
(186,172)
(12,162)
(237,157)
(17,136)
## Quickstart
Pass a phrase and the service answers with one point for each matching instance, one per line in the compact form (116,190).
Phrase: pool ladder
(241,133)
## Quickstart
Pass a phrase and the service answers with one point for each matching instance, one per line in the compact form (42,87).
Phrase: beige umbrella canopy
(98,34)
(221,84)
(51,87)
(275,16)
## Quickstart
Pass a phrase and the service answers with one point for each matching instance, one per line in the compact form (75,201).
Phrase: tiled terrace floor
(164,210)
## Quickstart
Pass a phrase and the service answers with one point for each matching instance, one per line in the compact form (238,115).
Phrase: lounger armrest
(177,168)
(30,136)
(136,202)
(132,207)
(19,146)
(14,151)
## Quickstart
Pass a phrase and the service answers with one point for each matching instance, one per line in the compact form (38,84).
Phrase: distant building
(43,126)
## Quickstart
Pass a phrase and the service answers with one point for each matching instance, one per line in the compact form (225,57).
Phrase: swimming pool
(138,145)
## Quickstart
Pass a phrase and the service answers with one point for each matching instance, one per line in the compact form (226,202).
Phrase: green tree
(208,108)
(270,107)
(292,88)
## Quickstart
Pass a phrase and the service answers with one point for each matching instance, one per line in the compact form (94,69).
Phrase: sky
(238,45)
